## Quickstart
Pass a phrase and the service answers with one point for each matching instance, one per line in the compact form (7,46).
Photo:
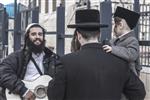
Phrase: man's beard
(35,48)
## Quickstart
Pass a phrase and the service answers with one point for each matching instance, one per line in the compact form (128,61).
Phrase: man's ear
(79,36)
(122,24)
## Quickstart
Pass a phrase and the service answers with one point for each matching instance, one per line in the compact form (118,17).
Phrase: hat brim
(87,25)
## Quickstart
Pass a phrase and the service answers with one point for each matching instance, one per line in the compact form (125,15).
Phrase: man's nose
(37,35)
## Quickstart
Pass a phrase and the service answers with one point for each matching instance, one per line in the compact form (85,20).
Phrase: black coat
(13,68)
(92,74)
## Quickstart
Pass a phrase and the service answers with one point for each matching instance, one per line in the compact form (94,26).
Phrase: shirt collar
(38,55)
(124,34)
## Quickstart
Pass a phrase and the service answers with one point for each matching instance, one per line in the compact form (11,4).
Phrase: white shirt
(32,72)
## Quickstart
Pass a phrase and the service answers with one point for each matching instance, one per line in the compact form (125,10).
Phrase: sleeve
(56,88)
(130,52)
(134,88)
(8,75)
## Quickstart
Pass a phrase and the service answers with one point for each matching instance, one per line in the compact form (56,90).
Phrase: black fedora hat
(87,18)
(131,17)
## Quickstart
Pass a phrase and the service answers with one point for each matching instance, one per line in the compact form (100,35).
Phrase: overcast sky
(6,1)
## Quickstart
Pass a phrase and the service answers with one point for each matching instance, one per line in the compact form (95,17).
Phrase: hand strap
(37,67)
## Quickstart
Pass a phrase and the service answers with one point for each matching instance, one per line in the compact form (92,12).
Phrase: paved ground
(145,77)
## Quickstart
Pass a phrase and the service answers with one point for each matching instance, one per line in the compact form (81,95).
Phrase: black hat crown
(87,18)
(131,17)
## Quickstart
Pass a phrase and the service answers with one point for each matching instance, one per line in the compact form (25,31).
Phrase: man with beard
(28,63)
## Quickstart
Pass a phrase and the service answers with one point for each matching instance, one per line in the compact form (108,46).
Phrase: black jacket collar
(92,45)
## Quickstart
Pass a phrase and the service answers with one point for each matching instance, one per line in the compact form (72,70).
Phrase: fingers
(107,48)
(33,97)
(29,96)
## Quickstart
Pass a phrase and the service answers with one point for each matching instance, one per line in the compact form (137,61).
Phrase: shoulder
(68,58)
(15,54)
(50,54)
(132,41)
(130,37)
(13,57)
(69,55)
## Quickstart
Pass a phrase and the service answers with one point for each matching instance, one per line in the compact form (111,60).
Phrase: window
(63,2)
(39,4)
(34,3)
(54,5)
(46,6)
